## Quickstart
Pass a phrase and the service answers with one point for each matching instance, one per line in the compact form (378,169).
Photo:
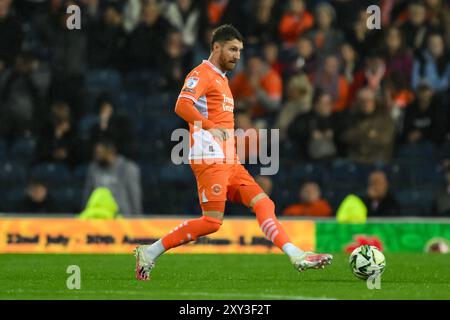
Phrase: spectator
(20,99)
(114,126)
(258,88)
(439,16)
(37,198)
(247,142)
(175,61)
(92,11)
(131,15)
(379,200)
(311,203)
(262,28)
(212,14)
(119,175)
(304,58)
(148,35)
(416,27)
(11,35)
(270,52)
(329,80)
(315,130)
(294,22)
(397,97)
(359,36)
(370,136)
(327,39)
(68,53)
(424,118)
(370,76)
(350,62)
(57,140)
(347,12)
(442,201)
(184,16)
(398,58)
(106,40)
(101,205)
(433,65)
(299,94)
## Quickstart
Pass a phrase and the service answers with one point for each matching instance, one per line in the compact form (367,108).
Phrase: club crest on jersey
(192,82)
(216,189)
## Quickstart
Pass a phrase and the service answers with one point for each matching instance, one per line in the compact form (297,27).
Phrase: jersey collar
(223,74)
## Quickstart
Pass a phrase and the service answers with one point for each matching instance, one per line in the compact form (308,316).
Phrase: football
(366,261)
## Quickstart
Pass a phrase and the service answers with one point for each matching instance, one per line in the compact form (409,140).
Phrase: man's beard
(102,163)
(227,65)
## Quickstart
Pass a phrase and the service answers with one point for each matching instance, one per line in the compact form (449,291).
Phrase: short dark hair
(107,142)
(102,99)
(225,32)
(36,181)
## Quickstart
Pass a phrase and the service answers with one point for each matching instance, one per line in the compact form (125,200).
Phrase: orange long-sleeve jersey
(206,102)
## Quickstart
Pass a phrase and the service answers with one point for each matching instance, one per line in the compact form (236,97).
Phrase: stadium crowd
(360,111)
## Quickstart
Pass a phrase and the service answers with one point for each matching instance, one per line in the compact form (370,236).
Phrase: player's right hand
(219,133)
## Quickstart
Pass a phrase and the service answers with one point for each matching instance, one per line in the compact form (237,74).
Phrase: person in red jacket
(311,203)
(295,22)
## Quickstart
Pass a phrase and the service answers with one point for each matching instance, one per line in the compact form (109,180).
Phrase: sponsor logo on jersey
(228,103)
(189,90)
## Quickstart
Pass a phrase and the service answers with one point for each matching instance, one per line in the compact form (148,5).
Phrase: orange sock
(265,213)
(190,230)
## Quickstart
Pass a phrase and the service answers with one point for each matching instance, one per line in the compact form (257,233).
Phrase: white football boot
(311,260)
(144,264)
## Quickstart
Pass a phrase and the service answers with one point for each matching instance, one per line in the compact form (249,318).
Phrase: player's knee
(264,202)
(212,224)
(208,225)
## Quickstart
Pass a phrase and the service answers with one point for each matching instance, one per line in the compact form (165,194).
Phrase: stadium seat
(23,150)
(142,81)
(131,103)
(2,150)
(105,80)
(415,202)
(85,125)
(428,175)
(68,200)
(56,175)
(11,199)
(417,153)
(78,176)
(444,151)
(149,177)
(157,104)
(176,175)
(399,174)
(154,152)
(12,174)
(347,173)
(309,171)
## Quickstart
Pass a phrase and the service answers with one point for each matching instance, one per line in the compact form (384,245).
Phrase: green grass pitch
(206,276)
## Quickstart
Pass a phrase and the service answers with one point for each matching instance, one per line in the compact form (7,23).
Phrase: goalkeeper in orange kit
(207,104)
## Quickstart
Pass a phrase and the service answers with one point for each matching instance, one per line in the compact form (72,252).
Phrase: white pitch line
(209,294)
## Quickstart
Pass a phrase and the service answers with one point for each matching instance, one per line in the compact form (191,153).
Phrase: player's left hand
(219,133)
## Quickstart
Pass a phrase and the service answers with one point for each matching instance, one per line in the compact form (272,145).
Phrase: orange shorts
(222,182)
